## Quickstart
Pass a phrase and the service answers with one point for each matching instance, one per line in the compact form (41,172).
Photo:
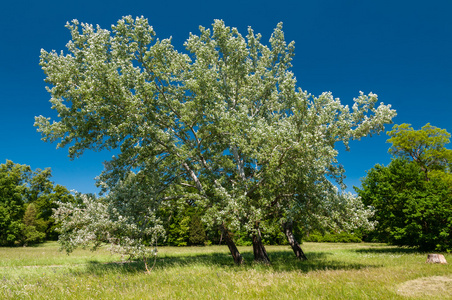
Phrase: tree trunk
(436,259)
(238,259)
(260,255)
(293,242)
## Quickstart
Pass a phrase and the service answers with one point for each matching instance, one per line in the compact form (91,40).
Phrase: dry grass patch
(433,286)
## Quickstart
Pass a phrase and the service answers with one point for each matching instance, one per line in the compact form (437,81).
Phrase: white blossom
(222,124)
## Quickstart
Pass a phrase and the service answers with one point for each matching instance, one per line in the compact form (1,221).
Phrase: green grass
(333,271)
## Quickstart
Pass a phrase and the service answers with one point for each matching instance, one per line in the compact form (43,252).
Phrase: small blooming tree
(122,219)
(222,125)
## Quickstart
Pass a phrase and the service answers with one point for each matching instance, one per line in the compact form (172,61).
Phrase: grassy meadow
(333,271)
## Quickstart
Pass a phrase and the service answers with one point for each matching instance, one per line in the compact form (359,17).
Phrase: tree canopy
(222,124)
(412,195)
(425,146)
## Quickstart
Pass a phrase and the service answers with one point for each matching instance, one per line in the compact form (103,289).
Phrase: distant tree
(197,232)
(410,210)
(223,124)
(412,196)
(179,231)
(426,147)
(33,228)
(26,201)
(13,178)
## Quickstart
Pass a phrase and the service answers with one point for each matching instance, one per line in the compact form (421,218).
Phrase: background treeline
(27,198)
(411,199)
(184,227)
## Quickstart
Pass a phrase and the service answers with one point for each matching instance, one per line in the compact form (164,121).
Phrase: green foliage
(12,198)
(341,237)
(242,238)
(33,228)
(426,146)
(179,231)
(221,124)
(185,226)
(197,234)
(412,196)
(31,235)
(177,216)
(26,201)
(272,234)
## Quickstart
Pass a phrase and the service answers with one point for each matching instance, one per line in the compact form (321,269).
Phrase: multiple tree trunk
(260,254)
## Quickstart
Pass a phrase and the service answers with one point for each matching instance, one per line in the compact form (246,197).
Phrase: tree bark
(238,259)
(436,259)
(260,254)
(293,242)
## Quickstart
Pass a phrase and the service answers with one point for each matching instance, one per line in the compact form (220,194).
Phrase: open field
(334,271)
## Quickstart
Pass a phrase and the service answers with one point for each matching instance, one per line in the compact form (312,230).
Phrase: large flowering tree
(222,125)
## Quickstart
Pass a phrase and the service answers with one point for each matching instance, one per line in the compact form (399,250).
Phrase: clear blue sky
(400,50)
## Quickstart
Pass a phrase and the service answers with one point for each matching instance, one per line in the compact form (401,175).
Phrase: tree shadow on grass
(392,250)
(281,261)
(317,261)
